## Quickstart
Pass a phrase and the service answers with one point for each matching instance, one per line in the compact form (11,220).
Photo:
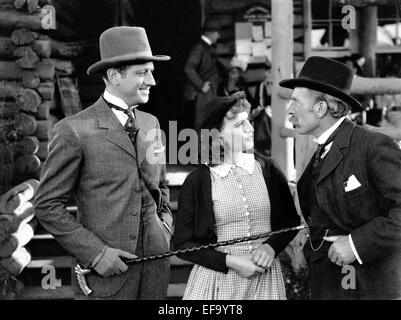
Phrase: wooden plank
(12,19)
(69,96)
(20,238)
(8,110)
(43,150)
(307,40)
(26,123)
(27,164)
(15,201)
(64,67)
(47,90)
(44,108)
(17,261)
(27,145)
(28,59)
(65,292)
(38,293)
(9,70)
(228,6)
(23,36)
(30,79)
(364,3)
(376,86)
(282,63)
(362,85)
(43,130)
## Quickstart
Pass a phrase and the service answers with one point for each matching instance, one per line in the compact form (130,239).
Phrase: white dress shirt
(121,116)
(321,140)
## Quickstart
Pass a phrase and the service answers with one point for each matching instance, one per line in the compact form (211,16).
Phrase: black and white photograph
(200,154)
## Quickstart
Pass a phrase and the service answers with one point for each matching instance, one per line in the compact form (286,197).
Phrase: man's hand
(340,251)
(263,256)
(110,263)
(206,87)
(243,265)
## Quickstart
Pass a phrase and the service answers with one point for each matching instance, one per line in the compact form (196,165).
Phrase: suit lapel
(141,143)
(115,131)
(335,155)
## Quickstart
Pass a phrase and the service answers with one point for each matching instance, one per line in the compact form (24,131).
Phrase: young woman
(242,195)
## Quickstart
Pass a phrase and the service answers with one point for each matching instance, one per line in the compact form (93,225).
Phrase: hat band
(146,53)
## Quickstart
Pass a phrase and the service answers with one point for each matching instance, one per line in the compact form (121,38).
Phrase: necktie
(130,126)
(320,150)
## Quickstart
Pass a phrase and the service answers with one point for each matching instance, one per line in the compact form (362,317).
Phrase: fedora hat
(327,76)
(120,45)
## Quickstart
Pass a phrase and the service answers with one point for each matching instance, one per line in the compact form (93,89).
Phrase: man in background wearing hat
(202,70)
(350,192)
(101,157)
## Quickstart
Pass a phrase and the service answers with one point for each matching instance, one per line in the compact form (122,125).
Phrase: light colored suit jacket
(92,158)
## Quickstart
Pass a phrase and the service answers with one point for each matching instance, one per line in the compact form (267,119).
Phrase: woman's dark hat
(327,76)
(216,109)
(120,45)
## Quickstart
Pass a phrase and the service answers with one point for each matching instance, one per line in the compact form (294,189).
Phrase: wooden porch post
(282,64)
(367,33)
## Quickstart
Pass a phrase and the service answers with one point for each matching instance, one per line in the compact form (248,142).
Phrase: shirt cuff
(354,249)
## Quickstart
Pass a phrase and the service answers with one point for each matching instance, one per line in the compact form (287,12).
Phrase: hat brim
(101,65)
(322,87)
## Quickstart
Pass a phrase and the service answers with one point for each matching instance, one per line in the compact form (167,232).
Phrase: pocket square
(159,149)
(351,184)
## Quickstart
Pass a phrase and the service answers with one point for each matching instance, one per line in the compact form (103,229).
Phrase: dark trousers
(374,281)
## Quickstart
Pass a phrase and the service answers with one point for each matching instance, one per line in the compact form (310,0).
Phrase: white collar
(109,97)
(325,135)
(207,40)
(246,161)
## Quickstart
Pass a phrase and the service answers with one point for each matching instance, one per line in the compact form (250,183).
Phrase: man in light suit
(110,158)
(350,192)
(202,69)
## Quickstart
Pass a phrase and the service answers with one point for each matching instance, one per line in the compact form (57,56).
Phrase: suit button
(138,190)
(133,213)
(132,236)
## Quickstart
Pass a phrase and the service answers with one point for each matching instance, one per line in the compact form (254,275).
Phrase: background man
(99,157)
(350,193)
(202,71)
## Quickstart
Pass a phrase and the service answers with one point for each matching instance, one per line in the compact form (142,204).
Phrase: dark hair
(210,149)
(122,68)
(336,107)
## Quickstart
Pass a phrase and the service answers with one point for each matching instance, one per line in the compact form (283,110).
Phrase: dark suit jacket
(370,213)
(92,158)
(201,66)
(195,217)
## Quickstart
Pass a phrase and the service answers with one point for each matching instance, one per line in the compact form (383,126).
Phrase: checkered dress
(241,206)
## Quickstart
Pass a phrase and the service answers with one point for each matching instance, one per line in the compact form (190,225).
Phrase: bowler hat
(327,76)
(123,45)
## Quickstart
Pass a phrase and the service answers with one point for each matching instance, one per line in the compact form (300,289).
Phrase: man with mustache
(350,192)
(101,157)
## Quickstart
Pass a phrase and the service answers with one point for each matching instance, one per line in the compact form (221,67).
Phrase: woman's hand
(243,265)
(263,256)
